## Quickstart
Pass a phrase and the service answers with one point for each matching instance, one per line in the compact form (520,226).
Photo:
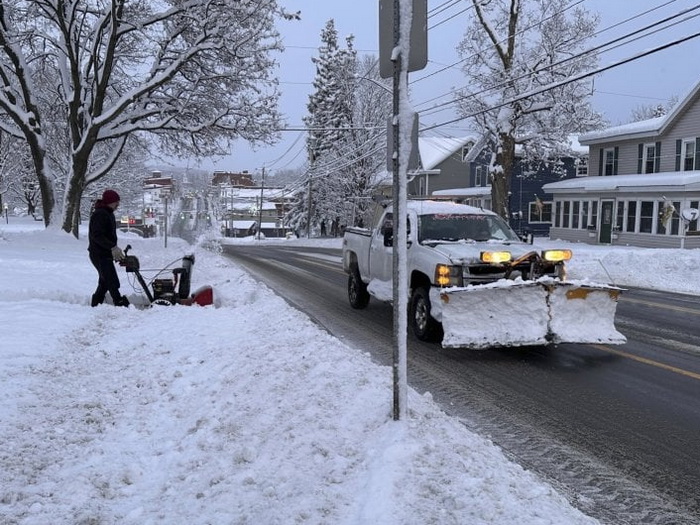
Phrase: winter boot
(122,301)
(95,300)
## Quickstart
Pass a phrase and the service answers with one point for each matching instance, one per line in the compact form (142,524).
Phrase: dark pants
(108,280)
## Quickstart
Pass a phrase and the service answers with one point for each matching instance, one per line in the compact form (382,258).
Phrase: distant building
(236,180)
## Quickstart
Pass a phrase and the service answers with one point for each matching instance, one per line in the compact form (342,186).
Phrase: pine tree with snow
(346,139)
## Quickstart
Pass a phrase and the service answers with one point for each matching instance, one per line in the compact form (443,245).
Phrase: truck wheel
(424,326)
(357,290)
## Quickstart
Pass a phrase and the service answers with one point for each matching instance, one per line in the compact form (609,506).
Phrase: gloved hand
(117,253)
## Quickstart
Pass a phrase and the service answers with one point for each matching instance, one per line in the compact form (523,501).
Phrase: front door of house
(606,222)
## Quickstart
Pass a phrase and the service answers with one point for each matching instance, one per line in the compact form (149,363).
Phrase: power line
(580,55)
(629,19)
(570,80)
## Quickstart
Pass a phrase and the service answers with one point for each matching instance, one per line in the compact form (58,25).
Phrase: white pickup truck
(474,284)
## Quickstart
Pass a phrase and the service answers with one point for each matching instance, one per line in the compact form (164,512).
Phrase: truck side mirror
(527,237)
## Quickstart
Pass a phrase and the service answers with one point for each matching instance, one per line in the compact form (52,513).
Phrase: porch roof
(650,182)
(478,191)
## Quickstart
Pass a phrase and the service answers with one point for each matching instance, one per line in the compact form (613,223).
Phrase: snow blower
(172,290)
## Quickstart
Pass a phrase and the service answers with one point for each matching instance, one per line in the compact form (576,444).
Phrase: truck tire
(424,326)
(357,290)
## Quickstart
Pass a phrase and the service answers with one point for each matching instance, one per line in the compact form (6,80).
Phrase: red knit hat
(110,196)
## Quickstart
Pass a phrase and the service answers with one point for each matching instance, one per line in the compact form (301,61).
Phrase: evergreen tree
(346,139)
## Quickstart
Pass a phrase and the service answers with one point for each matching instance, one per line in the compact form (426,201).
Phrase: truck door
(380,256)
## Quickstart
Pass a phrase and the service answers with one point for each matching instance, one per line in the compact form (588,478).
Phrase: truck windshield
(456,227)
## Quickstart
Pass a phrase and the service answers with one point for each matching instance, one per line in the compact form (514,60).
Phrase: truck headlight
(556,255)
(446,275)
(495,257)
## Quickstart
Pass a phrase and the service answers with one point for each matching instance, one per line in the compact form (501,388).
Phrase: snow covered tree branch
(189,76)
(512,48)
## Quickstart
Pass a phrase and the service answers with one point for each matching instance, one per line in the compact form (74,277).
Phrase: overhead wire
(449,4)
(570,80)
(597,33)
(595,49)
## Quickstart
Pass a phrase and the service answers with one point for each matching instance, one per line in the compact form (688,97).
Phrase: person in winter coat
(103,249)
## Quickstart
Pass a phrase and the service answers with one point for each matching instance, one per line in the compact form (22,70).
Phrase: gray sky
(616,92)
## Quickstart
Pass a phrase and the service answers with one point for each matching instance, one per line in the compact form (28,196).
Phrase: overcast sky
(617,92)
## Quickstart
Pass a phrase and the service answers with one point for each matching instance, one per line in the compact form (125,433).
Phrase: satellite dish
(690,214)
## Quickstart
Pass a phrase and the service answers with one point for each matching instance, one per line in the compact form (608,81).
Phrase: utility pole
(308,211)
(165,224)
(262,188)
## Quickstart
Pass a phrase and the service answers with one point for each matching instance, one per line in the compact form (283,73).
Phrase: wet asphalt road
(616,429)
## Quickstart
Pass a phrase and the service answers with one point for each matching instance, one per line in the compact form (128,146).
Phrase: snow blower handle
(126,250)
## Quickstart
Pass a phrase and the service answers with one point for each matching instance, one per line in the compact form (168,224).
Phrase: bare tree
(189,76)
(649,111)
(512,51)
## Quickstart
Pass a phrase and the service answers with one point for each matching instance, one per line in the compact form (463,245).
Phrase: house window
(649,158)
(593,221)
(620,216)
(566,217)
(582,167)
(542,213)
(465,152)
(557,214)
(669,220)
(585,207)
(646,217)
(576,217)
(688,155)
(693,225)
(631,216)
(422,186)
(478,173)
(609,162)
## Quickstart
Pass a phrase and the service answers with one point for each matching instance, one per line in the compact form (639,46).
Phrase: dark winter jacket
(102,233)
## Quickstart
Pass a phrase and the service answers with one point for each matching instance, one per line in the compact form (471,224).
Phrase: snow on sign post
(418,57)
(401,52)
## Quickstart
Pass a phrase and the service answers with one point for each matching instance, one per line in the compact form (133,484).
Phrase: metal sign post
(396,60)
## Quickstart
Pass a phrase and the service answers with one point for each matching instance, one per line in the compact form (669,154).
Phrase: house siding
(686,125)
(627,239)
(639,211)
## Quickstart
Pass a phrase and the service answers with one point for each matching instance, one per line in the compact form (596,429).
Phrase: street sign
(418,39)
(414,157)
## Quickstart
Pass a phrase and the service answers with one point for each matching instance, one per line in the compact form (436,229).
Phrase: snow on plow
(523,313)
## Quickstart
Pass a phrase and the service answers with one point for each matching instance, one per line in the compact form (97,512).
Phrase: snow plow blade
(520,313)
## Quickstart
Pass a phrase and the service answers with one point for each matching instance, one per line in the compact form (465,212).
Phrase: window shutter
(697,154)
(679,147)
(617,152)
(640,158)
(600,163)
(657,159)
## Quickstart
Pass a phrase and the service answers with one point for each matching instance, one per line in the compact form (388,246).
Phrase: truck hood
(468,252)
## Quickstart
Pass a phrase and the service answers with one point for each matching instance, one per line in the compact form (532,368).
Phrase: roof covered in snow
(434,150)
(675,180)
(477,191)
(643,128)
(429,207)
